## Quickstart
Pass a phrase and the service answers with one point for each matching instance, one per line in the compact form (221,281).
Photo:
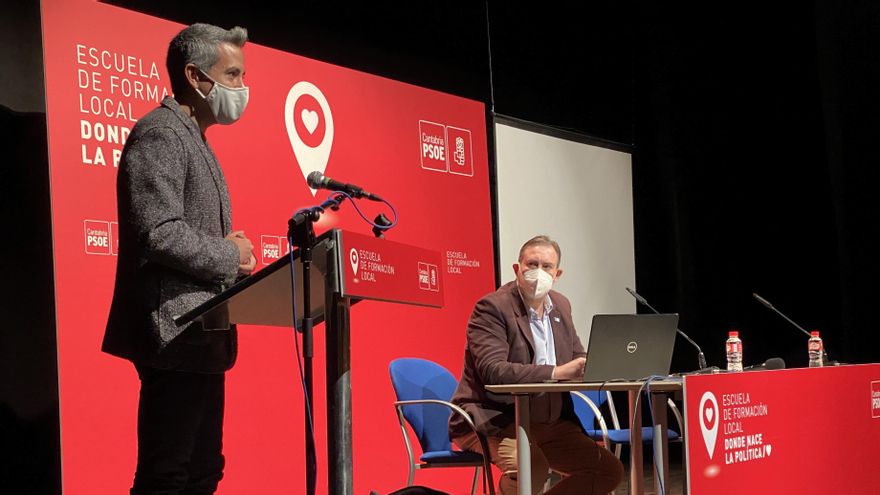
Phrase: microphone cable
(302,378)
(334,199)
(357,208)
(646,387)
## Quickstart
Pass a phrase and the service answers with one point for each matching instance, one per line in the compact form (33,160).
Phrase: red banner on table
(390,271)
(810,430)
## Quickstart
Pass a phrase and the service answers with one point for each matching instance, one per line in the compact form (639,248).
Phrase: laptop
(630,346)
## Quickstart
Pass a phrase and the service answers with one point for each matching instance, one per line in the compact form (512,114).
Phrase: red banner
(805,431)
(384,270)
(105,67)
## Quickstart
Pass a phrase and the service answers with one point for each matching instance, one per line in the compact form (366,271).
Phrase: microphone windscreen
(762,300)
(775,364)
(314,179)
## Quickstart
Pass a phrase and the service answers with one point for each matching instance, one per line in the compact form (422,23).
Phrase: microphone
(317,180)
(774,363)
(770,306)
(701,358)
(780,313)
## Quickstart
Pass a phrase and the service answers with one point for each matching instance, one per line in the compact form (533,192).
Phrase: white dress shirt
(542,334)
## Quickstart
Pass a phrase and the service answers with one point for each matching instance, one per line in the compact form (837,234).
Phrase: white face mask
(227,104)
(541,280)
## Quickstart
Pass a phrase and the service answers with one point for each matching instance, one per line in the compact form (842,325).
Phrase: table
(660,390)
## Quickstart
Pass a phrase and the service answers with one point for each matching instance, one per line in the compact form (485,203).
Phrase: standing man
(523,333)
(177,250)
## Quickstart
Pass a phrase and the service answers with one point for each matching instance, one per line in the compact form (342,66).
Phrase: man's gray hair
(541,240)
(198,45)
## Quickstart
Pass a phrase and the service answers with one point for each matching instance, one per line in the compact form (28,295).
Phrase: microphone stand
(766,303)
(301,234)
(701,358)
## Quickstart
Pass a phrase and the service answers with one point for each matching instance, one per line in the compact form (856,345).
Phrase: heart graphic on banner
(768,449)
(310,120)
(354,258)
(708,404)
(309,124)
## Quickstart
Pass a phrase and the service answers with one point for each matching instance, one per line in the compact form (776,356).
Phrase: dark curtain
(30,459)
(30,441)
(753,173)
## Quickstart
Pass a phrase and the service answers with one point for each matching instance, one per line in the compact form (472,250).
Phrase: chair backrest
(416,379)
(583,411)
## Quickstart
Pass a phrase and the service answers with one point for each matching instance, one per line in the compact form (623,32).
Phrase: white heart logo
(710,434)
(353,258)
(310,157)
(768,449)
(310,119)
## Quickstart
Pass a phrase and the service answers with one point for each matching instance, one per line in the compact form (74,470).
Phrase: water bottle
(815,348)
(734,351)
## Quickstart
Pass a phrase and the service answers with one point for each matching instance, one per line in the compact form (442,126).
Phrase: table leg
(661,444)
(636,467)
(523,451)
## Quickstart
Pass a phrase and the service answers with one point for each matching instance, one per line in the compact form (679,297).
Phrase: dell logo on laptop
(631,347)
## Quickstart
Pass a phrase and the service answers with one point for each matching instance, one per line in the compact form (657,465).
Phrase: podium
(349,267)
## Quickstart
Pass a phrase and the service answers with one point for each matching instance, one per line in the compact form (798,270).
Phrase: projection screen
(580,195)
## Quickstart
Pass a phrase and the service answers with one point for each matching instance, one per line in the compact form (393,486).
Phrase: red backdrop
(425,151)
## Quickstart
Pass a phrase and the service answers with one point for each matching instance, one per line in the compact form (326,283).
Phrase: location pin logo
(709,421)
(353,257)
(309,126)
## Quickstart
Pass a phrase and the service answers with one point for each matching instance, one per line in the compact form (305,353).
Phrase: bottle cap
(814,333)
(733,333)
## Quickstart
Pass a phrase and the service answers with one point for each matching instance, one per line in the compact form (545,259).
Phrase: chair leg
(412,475)
(488,480)
(487,465)
(684,469)
(476,479)
(552,479)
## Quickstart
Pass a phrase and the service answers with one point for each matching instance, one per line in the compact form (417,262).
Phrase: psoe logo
(272,248)
(432,146)
(458,143)
(97,237)
(709,421)
(875,399)
(428,277)
(446,148)
(114,238)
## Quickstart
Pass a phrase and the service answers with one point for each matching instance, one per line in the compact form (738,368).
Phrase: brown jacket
(500,350)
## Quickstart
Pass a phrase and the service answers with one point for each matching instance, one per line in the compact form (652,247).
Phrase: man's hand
(571,370)
(248,268)
(245,247)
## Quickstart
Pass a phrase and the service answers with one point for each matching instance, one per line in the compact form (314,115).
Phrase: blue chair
(424,389)
(587,408)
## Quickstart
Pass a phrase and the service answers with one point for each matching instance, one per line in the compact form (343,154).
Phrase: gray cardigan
(174,212)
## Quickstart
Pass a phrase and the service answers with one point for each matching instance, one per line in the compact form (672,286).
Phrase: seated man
(523,333)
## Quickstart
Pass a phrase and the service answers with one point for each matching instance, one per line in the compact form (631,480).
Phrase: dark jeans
(180,433)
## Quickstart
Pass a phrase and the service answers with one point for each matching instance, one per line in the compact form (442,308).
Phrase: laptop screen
(630,346)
